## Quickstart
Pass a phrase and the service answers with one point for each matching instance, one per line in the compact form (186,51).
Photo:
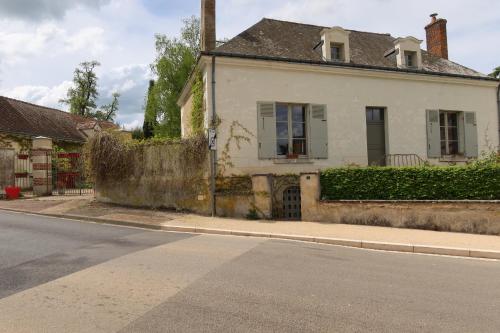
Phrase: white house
(309,97)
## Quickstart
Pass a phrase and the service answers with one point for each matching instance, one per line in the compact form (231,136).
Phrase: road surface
(66,276)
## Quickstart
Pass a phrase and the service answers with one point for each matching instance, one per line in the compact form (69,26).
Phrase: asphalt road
(66,276)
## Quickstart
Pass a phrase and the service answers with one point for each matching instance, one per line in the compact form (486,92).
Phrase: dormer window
(335,44)
(337,52)
(408,52)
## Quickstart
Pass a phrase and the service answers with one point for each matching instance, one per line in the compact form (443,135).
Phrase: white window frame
(290,129)
(341,49)
(446,126)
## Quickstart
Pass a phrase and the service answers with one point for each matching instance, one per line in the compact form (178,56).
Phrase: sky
(42,41)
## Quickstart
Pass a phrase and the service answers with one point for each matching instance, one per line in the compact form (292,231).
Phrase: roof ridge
(325,27)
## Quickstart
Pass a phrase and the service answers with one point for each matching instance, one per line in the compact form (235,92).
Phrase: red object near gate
(12,192)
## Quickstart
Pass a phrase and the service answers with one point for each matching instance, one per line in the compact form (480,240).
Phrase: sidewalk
(380,238)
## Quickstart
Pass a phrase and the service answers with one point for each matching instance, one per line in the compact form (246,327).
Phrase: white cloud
(90,39)
(41,95)
(44,9)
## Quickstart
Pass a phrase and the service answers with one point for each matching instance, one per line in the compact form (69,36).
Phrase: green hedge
(417,183)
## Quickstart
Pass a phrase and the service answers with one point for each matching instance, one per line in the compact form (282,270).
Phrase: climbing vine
(197,107)
(238,134)
(7,140)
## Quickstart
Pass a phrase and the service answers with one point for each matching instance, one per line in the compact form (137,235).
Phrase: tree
(150,112)
(108,111)
(496,73)
(82,97)
(174,62)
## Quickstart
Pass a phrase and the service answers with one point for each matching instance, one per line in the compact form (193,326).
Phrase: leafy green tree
(108,111)
(174,62)
(150,112)
(82,97)
(496,73)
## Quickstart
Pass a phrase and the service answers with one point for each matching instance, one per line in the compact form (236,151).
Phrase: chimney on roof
(208,34)
(437,37)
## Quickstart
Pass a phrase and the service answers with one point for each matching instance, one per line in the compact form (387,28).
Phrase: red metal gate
(69,176)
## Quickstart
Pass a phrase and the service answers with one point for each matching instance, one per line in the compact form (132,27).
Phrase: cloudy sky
(42,41)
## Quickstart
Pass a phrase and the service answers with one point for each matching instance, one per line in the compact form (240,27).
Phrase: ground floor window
(449,132)
(291,127)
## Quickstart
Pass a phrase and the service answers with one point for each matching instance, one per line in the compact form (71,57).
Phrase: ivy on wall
(24,143)
(197,112)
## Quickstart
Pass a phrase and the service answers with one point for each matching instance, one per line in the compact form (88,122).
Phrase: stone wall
(455,216)
(158,178)
(6,167)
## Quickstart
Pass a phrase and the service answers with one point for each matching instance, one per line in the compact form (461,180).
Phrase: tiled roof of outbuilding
(296,41)
(22,118)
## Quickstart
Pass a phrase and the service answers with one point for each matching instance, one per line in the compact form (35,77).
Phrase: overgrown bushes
(111,157)
(476,182)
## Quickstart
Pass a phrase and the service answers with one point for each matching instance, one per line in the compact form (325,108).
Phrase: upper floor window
(337,52)
(410,58)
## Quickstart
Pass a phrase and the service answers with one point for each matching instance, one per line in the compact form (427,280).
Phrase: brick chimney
(437,37)
(208,35)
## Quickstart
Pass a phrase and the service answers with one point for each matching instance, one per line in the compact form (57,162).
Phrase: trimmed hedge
(415,183)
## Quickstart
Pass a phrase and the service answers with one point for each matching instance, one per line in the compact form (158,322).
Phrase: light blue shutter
(318,131)
(433,134)
(266,130)
(470,130)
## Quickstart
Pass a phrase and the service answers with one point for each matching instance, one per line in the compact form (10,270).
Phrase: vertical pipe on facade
(213,152)
(498,105)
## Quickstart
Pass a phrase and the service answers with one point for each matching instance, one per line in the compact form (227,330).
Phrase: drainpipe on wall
(498,104)
(213,152)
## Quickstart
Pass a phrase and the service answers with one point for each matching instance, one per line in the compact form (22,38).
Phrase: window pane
(281,112)
(299,146)
(441,118)
(335,53)
(282,130)
(443,133)
(443,148)
(453,147)
(452,119)
(299,113)
(282,147)
(369,114)
(453,133)
(299,130)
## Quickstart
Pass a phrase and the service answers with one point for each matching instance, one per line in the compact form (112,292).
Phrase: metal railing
(402,160)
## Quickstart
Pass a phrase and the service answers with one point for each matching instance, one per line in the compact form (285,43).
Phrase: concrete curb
(370,245)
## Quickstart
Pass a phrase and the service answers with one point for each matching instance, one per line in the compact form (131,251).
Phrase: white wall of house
(346,92)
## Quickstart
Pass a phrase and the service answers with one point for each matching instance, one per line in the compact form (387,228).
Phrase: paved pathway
(60,275)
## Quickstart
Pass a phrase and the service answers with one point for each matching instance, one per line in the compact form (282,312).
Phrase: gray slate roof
(296,41)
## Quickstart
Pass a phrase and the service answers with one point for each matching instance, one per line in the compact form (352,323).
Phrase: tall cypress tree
(150,112)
